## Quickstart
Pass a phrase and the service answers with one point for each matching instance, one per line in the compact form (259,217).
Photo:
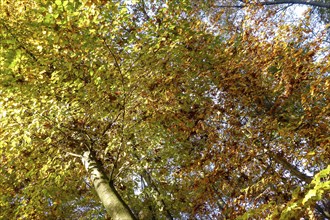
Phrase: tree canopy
(186,110)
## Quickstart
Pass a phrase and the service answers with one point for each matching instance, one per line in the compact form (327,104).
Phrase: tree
(172,111)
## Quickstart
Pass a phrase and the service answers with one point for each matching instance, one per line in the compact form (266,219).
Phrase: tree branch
(294,170)
(298,2)
(281,2)
(21,45)
(147,177)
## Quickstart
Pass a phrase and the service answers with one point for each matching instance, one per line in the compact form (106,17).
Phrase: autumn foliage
(192,113)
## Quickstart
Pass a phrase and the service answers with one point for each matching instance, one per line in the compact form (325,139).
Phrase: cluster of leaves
(190,117)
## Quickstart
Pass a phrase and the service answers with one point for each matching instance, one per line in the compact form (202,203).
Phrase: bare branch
(298,2)
(281,2)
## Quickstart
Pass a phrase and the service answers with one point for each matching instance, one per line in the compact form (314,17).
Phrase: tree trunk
(110,198)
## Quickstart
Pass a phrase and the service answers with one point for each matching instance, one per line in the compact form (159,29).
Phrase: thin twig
(73,154)
(113,55)
(110,125)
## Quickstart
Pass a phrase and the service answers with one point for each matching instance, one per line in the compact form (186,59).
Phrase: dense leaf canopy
(194,110)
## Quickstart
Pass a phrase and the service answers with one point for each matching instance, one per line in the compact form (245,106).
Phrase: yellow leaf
(27,139)
(311,153)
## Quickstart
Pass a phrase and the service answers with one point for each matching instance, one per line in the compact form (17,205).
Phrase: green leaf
(27,139)
(58,2)
(311,193)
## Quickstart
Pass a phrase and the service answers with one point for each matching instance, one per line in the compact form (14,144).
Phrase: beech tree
(161,110)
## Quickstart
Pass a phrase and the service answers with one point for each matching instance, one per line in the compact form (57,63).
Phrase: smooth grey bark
(110,198)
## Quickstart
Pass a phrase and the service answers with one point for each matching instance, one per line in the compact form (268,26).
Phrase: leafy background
(195,110)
